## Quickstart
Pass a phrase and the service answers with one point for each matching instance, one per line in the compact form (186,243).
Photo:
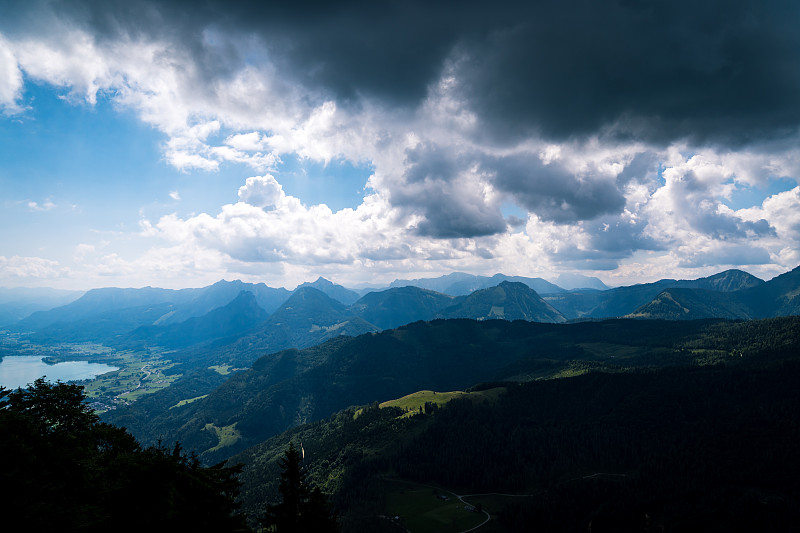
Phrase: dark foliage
(682,448)
(64,470)
(303,508)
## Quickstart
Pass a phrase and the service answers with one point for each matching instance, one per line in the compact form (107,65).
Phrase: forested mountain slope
(683,448)
(289,388)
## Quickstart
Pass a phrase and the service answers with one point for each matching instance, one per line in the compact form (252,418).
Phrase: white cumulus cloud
(10,79)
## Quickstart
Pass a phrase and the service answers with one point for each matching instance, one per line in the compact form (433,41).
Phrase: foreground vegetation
(64,470)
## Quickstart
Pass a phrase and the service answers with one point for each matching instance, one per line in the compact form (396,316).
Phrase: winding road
(488,516)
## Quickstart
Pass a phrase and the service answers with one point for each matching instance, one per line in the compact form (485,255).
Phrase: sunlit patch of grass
(412,403)
(227,435)
(188,401)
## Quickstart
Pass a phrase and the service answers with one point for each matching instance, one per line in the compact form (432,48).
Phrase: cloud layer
(603,136)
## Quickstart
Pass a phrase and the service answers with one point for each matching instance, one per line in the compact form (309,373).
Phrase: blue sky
(153,143)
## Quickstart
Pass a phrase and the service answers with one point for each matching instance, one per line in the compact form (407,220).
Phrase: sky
(174,144)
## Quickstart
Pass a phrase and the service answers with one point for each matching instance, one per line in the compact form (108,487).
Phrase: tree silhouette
(303,508)
(61,468)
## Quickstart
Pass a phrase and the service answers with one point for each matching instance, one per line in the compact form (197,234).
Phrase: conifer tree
(303,508)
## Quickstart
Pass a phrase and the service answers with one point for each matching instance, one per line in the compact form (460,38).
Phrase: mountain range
(461,284)
(622,301)
(272,319)
(16,304)
(752,299)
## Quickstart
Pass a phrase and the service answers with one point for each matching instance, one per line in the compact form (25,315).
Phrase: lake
(18,371)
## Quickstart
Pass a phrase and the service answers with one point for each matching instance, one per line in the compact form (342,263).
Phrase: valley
(137,373)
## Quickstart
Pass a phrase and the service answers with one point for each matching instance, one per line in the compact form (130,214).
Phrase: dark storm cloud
(643,167)
(390,51)
(723,226)
(718,71)
(620,238)
(610,240)
(440,184)
(452,205)
(551,191)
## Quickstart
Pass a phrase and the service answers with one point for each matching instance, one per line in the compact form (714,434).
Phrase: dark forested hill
(288,388)
(779,296)
(401,305)
(692,304)
(62,470)
(681,448)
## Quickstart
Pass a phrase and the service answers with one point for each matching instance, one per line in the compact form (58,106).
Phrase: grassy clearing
(423,509)
(413,402)
(418,399)
(188,401)
(569,372)
(223,370)
(227,435)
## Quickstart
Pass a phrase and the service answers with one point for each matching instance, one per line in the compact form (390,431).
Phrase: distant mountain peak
(335,291)
(306,290)
(459,283)
(571,281)
(509,300)
(730,280)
